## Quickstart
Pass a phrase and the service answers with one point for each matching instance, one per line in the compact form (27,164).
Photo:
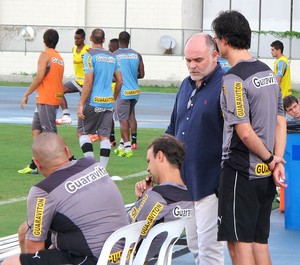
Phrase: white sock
(66,112)
(105,148)
(121,144)
(127,146)
(85,139)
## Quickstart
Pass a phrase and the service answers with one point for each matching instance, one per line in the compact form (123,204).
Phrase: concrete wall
(160,70)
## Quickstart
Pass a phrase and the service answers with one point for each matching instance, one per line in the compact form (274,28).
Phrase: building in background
(147,22)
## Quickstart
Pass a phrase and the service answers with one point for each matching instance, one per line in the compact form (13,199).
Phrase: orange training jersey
(78,63)
(51,89)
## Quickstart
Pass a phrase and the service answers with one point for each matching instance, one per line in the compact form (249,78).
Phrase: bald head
(49,151)
(200,38)
(98,36)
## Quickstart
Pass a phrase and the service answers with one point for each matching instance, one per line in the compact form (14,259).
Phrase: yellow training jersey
(282,68)
(78,63)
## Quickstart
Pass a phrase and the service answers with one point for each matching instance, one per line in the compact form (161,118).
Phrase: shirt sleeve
(234,100)
(281,66)
(88,63)
(40,212)
(150,208)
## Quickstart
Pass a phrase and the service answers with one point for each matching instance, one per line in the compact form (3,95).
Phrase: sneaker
(278,199)
(65,119)
(113,143)
(133,146)
(127,154)
(119,151)
(28,170)
(94,137)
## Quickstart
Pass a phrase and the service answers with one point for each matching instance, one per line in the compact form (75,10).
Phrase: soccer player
(281,68)
(132,68)
(78,51)
(95,109)
(49,86)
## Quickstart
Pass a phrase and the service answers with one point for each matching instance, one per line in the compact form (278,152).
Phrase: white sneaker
(65,119)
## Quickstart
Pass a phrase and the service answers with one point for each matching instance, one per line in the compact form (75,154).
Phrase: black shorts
(244,207)
(54,256)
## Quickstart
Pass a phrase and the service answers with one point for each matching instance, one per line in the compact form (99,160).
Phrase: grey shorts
(44,118)
(124,108)
(54,256)
(72,87)
(97,120)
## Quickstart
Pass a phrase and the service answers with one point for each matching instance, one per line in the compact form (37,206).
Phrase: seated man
(169,199)
(77,201)
(291,107)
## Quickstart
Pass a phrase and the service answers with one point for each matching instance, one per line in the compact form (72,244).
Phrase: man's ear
(68,152)
(38,165)
(160,155)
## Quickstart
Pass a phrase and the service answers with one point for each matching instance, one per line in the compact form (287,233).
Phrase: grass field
(16,153)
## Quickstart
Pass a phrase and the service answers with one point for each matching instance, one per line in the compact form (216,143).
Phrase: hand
(276,160)
(142,186)
(279,176)
(24,101)
(80,112)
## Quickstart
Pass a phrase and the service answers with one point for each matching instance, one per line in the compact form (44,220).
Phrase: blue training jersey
(103,64)
(129,61)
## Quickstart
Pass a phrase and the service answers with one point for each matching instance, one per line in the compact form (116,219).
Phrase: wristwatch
(269,160)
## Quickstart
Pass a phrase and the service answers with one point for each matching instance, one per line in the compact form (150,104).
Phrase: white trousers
(201,232)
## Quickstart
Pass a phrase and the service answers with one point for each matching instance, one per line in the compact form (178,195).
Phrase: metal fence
(145,40)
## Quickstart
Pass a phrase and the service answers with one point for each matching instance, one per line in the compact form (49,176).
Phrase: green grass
(16,153)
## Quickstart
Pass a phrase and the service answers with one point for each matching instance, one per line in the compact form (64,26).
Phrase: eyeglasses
(190,102)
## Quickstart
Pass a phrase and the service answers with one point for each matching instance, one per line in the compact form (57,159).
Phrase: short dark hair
(124,37)
(115,43)
(51,38)
(98,36)
(171,147)
(234,28)
(278,45)
(288,101)
(80,32)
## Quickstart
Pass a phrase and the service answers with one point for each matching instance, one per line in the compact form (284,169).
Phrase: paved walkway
(284,245)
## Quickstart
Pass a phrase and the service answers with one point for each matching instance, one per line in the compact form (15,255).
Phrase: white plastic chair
(131,233)
(174,230)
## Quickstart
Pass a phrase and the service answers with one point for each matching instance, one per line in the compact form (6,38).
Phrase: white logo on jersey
(264,81)
(178,212)
(73,186)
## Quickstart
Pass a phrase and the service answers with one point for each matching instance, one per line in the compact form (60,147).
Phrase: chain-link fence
(145,40)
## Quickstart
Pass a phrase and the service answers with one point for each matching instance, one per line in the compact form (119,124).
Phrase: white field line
(13,200)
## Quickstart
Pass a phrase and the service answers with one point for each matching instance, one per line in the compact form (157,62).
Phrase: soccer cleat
(65,119)
(119,151)
(28,170)
(127,154)
(94,137)
(113,143)
(134,146)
